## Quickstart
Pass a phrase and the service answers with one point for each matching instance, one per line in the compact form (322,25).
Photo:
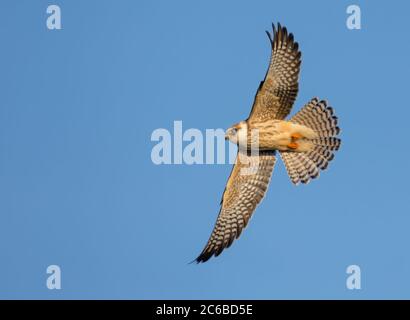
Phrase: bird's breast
(264,134)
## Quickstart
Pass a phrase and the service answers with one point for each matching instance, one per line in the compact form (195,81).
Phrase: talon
(293,145)
(296,136)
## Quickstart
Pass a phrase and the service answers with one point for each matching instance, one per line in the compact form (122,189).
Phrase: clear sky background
(78,187)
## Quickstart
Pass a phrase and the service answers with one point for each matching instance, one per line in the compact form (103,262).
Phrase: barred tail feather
(304,166)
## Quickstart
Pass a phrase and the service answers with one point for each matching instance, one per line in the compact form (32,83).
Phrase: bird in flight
(306,142)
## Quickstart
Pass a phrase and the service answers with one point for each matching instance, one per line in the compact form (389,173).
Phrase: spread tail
(304,166)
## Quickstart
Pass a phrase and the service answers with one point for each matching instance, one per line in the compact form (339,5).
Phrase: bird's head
(236,132)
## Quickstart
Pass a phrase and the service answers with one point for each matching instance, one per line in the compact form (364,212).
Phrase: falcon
(306,142)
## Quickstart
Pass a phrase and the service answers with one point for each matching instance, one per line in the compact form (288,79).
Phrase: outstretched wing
(277,93)
(244,190)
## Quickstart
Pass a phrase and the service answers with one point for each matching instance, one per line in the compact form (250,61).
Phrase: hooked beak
(227,133)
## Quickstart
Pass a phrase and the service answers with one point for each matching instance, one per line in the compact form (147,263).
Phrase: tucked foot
(293,145)
(296,136)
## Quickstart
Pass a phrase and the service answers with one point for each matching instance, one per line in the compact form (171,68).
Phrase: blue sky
(78,187)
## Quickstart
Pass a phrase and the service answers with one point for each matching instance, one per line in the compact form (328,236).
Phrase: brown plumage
(306,142)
